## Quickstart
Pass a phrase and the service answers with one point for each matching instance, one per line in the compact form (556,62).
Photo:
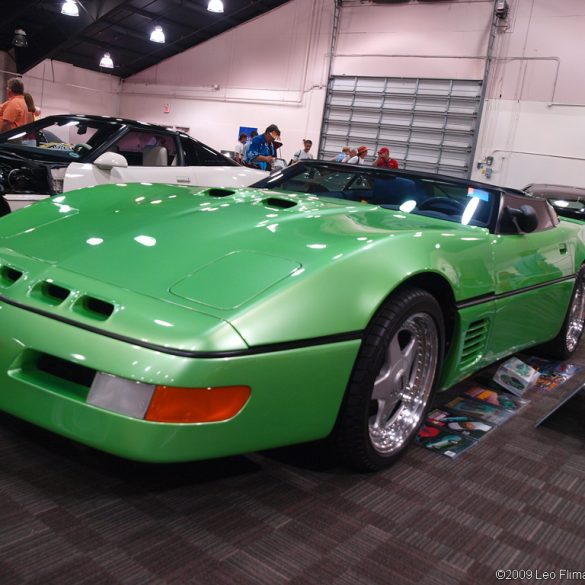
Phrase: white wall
(443,40)
(60,88)
(534,118)
(270,70)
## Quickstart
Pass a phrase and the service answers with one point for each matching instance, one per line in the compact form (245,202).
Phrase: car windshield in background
(454,201)
(577,206)
(567,201)
(59,138)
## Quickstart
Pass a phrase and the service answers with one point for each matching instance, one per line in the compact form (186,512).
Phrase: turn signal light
(196,405)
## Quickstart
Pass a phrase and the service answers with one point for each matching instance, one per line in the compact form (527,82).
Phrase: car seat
(394,191)
(154,156)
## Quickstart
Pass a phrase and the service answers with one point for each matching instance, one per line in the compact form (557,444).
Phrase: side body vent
(216,192)
(277,202)
(474,342)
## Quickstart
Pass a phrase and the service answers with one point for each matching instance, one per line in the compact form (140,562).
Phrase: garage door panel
(429,124)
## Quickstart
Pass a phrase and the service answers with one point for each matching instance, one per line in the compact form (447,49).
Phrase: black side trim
(475,301)
(494,297)
(270,348)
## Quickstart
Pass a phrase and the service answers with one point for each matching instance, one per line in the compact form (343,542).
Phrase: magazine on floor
(552,373)
(495,397)
(481,410)
(467,425)
(443,441)
(462,420)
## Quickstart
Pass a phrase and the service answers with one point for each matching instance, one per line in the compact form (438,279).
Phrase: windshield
(455,201)
(58,138)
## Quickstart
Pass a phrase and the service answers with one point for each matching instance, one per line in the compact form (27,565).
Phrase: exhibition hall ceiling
(121,28)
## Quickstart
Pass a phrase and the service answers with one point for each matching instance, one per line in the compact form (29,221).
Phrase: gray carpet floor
(515,501)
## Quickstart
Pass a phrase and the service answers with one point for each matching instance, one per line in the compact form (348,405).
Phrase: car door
(532,276)
(149,153)
(204,166)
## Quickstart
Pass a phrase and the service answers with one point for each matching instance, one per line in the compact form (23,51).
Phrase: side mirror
(523,218)
(109,160)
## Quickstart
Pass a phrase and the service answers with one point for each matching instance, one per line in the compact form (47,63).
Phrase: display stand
(567,395)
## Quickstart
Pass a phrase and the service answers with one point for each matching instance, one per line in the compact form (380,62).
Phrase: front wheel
(392,382)
(565,343)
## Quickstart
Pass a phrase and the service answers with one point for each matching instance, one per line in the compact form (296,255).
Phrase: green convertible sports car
(170,323)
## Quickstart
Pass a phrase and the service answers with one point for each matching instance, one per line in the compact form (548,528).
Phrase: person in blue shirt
(253,135)
(261,151)
(343,156)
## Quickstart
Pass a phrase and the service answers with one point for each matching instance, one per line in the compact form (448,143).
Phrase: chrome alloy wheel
(576,316)
(403,386)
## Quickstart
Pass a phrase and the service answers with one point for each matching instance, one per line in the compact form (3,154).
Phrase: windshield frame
(106,130)
(454,200)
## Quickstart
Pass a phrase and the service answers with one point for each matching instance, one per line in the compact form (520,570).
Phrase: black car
(567,201)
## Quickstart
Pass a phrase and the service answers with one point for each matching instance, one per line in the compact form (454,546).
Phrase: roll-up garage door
(428,124)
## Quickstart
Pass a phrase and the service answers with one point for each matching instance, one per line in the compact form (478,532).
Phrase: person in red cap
(384,159)
(360,157)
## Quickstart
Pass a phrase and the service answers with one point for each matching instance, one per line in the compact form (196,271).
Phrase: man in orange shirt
(13,112)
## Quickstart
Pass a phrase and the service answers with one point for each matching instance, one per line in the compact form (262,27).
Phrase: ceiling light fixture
(107,62)
(157,35)
(70,8)
(19,39)
(215,6)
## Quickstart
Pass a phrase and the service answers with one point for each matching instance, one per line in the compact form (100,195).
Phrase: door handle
(183,180)
(563,248)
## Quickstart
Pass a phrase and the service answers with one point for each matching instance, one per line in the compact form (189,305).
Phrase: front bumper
(295,397)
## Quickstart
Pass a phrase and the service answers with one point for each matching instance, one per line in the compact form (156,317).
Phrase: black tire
(4,207)
(564,344)
(367,424)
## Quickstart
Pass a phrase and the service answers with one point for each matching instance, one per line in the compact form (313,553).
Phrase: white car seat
(155,156)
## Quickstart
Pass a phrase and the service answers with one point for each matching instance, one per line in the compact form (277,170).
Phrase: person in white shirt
(253,135)
(304,153)
(360,157)
(239,148)
(352,152)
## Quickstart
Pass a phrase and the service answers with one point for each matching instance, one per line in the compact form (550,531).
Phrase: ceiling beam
(159,18)
(200,10)
(65,31)
(15,10)
(107,46)
(142,36)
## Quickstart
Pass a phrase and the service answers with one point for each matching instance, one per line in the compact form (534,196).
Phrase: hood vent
(215,192)
(474,342)
(50,293)
(277,202)
(94,308)
(9,275)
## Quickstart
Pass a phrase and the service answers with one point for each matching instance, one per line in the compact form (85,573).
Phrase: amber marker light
(196,405)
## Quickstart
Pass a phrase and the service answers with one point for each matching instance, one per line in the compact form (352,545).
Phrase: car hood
(212,250)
